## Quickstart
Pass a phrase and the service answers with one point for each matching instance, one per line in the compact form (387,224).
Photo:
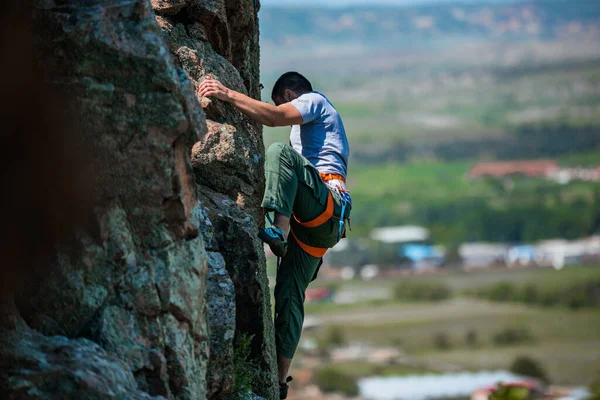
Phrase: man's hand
(214,88)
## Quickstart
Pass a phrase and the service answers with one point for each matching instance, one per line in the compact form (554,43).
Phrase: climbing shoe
(283,388)
(274,237)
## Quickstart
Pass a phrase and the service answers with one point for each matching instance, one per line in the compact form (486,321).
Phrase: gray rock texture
(43,367)
(220,296)
(220,38)
(148,299)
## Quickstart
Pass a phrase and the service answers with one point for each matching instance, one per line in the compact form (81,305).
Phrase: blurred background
(475,173)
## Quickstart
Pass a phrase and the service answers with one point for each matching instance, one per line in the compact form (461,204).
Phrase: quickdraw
(344,202)
(341,191)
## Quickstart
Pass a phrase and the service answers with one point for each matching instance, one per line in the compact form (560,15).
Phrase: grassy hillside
(510,114)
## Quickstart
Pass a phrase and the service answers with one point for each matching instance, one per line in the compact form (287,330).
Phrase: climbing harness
(318,221)
(336,183)
(326,215)
(321,219)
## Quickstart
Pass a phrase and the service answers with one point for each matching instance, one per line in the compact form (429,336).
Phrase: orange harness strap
(317,252)
(321,219)
(330,177)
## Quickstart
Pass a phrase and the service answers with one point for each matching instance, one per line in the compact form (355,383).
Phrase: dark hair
(293,81)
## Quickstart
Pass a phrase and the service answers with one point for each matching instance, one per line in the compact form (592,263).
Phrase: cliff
(164,279)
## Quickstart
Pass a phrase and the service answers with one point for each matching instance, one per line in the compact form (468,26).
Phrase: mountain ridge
(384,3)
(540,19)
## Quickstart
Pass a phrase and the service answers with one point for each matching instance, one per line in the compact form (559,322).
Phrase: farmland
(564,341)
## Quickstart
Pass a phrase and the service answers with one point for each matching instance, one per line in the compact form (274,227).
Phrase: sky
(341,3)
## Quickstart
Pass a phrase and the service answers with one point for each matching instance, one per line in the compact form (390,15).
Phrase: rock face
(124,309)
(219,38)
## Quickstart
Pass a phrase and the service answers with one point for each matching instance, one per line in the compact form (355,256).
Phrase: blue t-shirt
(321,138)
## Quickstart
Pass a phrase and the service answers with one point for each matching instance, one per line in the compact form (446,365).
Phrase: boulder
(133,280)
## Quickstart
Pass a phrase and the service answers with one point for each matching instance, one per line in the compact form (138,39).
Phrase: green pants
(295,188)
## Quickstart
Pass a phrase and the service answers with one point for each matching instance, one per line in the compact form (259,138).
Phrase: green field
(456,208)
(441,196)
(565,342)
(461,283)
(582,159)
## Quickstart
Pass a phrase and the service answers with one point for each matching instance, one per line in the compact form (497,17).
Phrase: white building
(483,255)
(400,234)
(559,253)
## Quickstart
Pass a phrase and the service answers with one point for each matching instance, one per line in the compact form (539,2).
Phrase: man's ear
(288,95)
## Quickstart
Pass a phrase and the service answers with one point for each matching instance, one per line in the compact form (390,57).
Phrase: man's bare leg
(283,223)
(283,367)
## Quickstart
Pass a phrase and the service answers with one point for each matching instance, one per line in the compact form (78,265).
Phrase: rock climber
(306,190)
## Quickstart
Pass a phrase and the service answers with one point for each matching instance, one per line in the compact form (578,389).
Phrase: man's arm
(261,112)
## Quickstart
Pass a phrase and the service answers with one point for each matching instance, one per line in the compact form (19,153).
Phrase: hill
(388,26)
(345,3)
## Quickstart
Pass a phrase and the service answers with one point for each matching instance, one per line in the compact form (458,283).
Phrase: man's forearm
(261,112)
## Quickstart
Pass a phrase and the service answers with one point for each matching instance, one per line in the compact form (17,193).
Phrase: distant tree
(513,336)
(530,294)
(441,341)
(397,342)
(595,390)
(332,380)
(452,255)
(527,366)
(421,291)
(335,336)
(471,338)
(502,291)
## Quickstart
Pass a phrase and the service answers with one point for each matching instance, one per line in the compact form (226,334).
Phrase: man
(305,187)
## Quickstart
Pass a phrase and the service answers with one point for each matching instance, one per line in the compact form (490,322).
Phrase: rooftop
(505,168)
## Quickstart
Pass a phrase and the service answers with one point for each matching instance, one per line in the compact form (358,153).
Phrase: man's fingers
(210,87)
(206,89)
(208,79)
(205,85)
(208,93)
